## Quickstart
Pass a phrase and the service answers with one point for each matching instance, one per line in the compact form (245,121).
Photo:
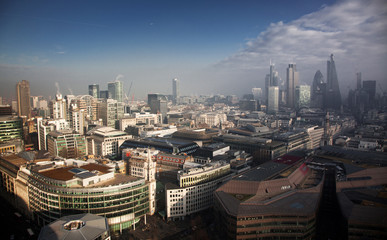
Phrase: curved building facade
(318,91)
(90,188)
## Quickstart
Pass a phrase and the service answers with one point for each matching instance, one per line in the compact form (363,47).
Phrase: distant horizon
(211,48)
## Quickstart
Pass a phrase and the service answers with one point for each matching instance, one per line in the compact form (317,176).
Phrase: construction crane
(126,95)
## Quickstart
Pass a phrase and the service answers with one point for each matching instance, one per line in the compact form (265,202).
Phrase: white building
(195,190)
(141,162)
(58,107)
(211,119)
(46,126)
(105,141)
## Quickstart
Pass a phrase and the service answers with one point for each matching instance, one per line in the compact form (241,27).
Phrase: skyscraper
(318,91)
(94,90)
(291,83)
(358,80)
(272,104)
(271,79)
(302,96)
(333,95)
(370,87)
(23,98)
(115,90)
(176,90)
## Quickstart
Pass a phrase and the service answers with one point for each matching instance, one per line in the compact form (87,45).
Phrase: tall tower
(23,99)
(358,80)
(333,95)
(318,91)
(176,90)
(272,104)
(271,80)
(291,83)
(94,90)
(115,90)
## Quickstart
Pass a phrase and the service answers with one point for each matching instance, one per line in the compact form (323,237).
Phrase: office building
(94,90)
(115,90)
(87,225)
(358,80)
(105,141)
(110,111)
(273,200)
(271,80)
(47,126)
(66,144)
(370,87)
(257,93)
(77,119)
(58,107)
(11,128)
(318,91)
(175,90)
(104,94)
(158,104)
(273,98)
(292,78)
(302,96)
(332,95)
(141,163)
(23,99)
(194,189)
(166,145)
(49,190)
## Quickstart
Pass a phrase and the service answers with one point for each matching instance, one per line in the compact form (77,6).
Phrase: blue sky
(211,46)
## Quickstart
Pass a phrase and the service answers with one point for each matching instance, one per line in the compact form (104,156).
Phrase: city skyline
(210,48)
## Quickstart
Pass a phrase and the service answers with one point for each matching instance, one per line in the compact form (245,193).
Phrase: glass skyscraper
(94,90)
(291,83)
(333,95)
(115,90)
(23,98)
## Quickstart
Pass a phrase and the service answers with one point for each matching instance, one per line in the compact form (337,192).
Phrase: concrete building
(105,141)
(66,144)
(47,126)
(58,107)
(270,201)
(23,99)
(194,189)
(141,163)
(87,225)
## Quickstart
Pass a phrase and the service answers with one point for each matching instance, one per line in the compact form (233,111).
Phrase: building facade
(94,90)
(115,90)
(23,99)
(292,79)
(333,95)
(66,144)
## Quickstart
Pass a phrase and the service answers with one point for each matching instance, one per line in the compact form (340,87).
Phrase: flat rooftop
(262,172)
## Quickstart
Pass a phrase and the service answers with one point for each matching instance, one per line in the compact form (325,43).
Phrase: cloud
(354,31)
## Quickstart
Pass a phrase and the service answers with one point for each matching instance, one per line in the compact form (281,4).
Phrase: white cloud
(354,31)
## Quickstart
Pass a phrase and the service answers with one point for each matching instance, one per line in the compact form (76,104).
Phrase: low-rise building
(105,141)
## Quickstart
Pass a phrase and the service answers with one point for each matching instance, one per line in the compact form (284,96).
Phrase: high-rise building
(302,96)
(370,87)
(318,91)
(176,90)
(110,111)
(358,80)
(291,83)
(23,98)
(271,79)
(158,104)
(58,107)
(272,104)
(104,94)
(257,93)
(94,90)
(333,95)
(115,90)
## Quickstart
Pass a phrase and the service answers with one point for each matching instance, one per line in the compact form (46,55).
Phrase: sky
(212,47)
